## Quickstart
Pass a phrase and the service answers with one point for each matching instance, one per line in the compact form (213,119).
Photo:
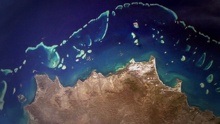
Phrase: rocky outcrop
(132,95)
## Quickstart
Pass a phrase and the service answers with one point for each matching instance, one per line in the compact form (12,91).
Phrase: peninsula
(133,94)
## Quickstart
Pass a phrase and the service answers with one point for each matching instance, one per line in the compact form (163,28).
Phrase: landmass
(134,94)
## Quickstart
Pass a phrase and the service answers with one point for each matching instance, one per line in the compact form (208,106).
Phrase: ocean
(108,42)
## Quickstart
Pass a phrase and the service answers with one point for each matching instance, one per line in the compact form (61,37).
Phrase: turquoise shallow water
(132,30)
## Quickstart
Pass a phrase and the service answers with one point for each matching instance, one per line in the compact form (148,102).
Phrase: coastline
(137,77)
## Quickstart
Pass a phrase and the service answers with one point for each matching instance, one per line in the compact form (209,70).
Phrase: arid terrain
(134,95)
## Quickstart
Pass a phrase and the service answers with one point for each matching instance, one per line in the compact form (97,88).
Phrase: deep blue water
(108,41)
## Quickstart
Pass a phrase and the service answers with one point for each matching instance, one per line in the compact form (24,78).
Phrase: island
(134,94)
